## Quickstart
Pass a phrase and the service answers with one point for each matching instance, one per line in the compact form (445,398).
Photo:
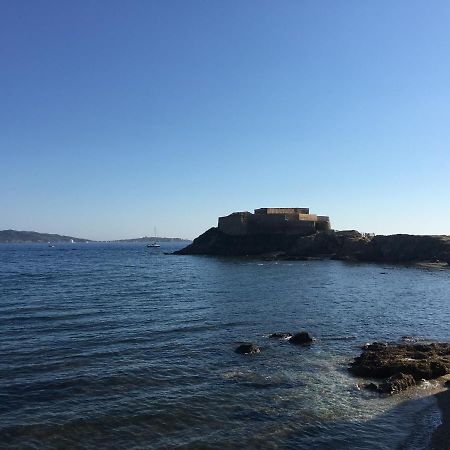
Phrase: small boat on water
(154,244)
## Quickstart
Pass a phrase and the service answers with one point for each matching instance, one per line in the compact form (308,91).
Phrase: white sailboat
(154,244)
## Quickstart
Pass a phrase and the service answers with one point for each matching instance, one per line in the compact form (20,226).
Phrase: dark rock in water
(405,361)
(371,387)
(280,335)
(397,383)
(301,338)
(248,349)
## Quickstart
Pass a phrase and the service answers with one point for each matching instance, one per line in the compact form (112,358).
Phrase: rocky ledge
(401,366)
(343,245)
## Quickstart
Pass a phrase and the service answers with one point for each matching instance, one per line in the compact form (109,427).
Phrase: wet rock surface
(301,338)
(247,349)
(397,383)
(401,365)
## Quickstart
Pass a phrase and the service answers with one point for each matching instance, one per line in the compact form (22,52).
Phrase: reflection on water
(119,346)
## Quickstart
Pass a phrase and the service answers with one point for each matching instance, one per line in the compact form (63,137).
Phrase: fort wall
(282,211)
(234,224)
(310,217)
(278,223)
(273,220)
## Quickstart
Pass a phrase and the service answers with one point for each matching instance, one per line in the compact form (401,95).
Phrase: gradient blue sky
(118,116)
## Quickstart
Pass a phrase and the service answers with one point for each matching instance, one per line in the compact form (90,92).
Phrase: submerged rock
(280,335)
(301,338)
(247,349)
(402,365)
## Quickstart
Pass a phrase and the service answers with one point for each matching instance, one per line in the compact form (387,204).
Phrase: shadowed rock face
(344,245)
(301,338)
(402,365)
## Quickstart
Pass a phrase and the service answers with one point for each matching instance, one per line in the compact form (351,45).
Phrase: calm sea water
(121,346)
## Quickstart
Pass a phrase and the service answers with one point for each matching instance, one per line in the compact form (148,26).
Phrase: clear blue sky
(118,116)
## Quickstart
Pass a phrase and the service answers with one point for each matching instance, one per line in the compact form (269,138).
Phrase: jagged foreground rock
(344,245)
(401,365)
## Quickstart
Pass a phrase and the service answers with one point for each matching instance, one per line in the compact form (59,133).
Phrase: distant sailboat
(154,244)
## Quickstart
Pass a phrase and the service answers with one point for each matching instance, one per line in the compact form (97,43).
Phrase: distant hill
(13,236)
(152,239)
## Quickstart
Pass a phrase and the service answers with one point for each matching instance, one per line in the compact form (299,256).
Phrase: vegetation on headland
(13,237)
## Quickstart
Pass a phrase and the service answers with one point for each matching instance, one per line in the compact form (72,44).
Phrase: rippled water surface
(121,346)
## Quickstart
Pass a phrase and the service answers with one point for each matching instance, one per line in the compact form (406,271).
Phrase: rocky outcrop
(342,245)
(401,248)
(302,338)
(401,365)
(247,349)
(397,383)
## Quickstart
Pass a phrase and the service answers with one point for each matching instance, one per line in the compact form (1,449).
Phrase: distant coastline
(146,239)
(23,237)
(17,237)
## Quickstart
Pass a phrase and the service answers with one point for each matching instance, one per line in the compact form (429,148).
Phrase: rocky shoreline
(430,251)
(401,366)
(392,368)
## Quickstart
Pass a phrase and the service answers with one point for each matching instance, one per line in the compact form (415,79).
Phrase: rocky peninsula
(296,233)
(328,244)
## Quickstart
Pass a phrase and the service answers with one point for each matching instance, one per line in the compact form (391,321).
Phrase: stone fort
(273,220)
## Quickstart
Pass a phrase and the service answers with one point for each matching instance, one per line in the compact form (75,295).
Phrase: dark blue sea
(121,346)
